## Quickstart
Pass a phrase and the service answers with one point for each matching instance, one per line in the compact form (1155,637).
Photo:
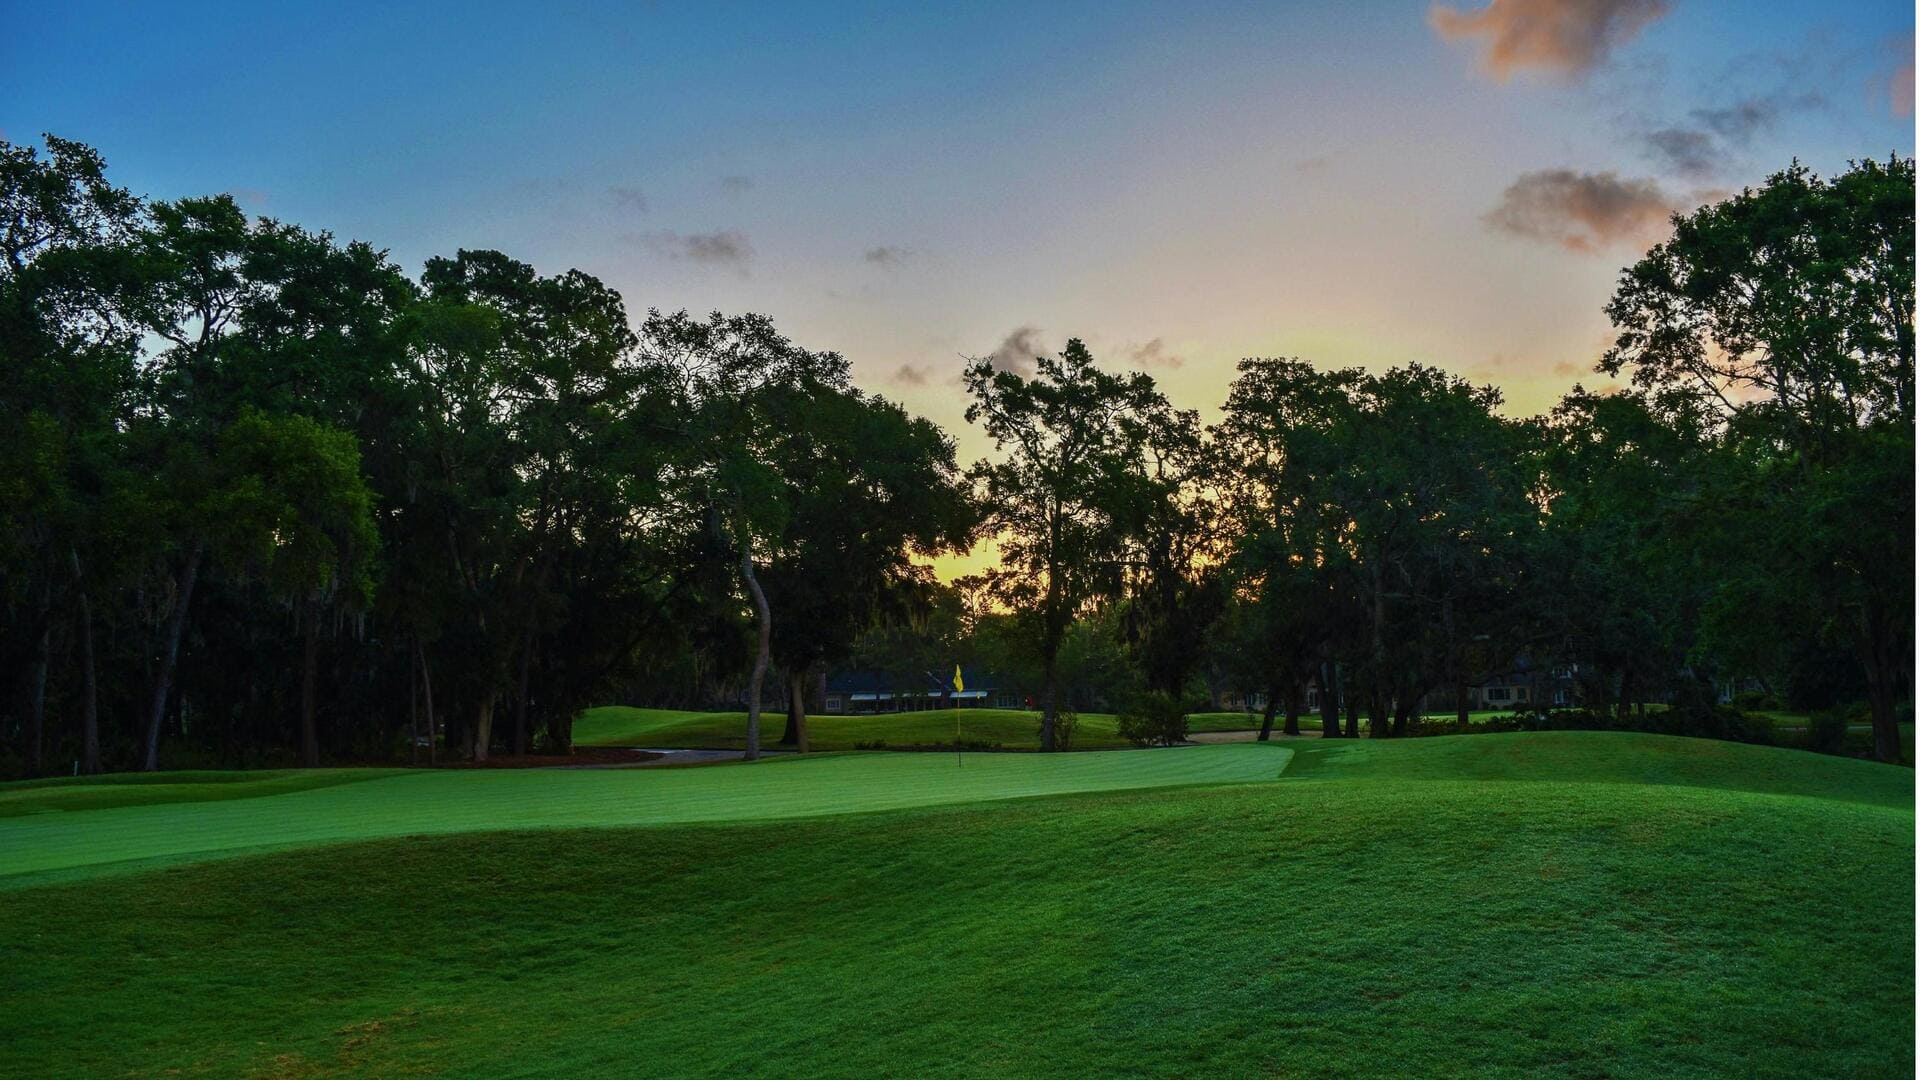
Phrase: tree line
(272,498)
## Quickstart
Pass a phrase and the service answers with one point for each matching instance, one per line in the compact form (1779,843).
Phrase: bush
(1153,719)
(1827,731)
(1065,723)
(1757,701)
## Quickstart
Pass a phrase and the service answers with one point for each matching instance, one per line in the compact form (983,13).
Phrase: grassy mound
(1573,904)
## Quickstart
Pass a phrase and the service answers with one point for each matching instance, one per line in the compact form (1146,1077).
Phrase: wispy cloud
(1689,153)
(1560,37)
(1154,354)
(1900,84)
(736,185)
(724,247)
(1706,145)
(910,375)
(888,256)
(1017,351)
(628,198)
(1585,212)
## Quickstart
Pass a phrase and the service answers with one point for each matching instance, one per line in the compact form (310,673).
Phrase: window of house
(1499,693)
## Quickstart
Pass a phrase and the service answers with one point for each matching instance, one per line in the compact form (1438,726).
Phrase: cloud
(888,255)
(1704,147)
(247,196)
(736,185)
(628,198)
(1561,37)
(1017,351)
(1586,212)
(1692,154)
(1900,83)
(1315,164)
(1742,119)
(910,375)
(723,247)
(1568,370)
(1154,354)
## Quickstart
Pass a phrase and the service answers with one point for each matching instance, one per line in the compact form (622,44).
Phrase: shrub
(1827,731)
(1756,701)
(1065,723)
(1153,719)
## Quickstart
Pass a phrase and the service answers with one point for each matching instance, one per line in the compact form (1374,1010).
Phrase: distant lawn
(1013,729)
(1570,904)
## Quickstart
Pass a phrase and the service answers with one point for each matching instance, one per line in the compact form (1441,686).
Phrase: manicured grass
(203,823)
(1563,904)
(1013,729)
(141,789)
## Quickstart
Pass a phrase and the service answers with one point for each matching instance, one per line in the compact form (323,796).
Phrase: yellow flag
(959,684)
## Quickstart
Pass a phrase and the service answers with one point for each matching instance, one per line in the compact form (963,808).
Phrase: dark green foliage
(1153,718)
(1827,729)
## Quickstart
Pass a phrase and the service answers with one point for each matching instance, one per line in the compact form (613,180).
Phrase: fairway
(1567,904)
(64,839)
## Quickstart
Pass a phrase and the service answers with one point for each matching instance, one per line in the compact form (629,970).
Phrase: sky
(1178,184)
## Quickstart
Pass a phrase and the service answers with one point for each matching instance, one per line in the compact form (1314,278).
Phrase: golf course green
(1566,904)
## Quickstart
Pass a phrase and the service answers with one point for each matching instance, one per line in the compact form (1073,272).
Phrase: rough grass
(1554,904)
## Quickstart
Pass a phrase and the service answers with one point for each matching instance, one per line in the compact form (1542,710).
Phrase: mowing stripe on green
(81,843)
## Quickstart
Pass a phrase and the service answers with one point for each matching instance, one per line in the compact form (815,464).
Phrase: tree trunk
(1353,712)
(520,702)
(1293,708)
(1048,677)
(413,708)
(1266,718)
(764,619)
(37,686)
(89,684)
(483,726)
(169,658)
(1329,700)
(797,708)
(309,672)
(426,690)
(1462,713)
(1881,659)
(1402,710)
